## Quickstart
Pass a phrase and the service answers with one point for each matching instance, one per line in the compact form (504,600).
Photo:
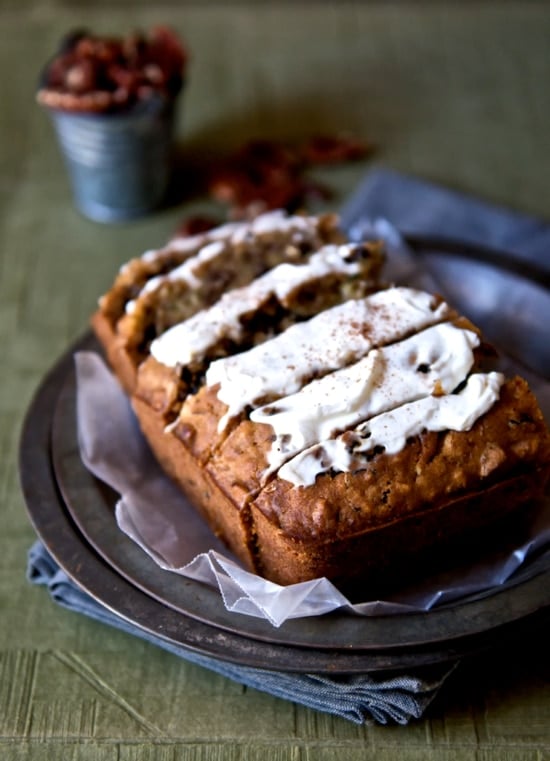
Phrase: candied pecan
(267,174)
(267,154)
(332,149)
(194,225)
(55,76)
(109,74)
(166,52)
(262,171)
(154,74)
(94,102)
(101,50)
(144,92)
(123,77)
(81,76)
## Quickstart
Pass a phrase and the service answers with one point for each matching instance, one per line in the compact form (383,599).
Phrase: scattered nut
(265,174)
(333,149)
(195,225)
(104,75)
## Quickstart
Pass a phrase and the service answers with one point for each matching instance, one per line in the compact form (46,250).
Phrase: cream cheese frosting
(186,271)
(209,246)
(235,231)
(333,339)
(432,362)
(191,339)
(390,430)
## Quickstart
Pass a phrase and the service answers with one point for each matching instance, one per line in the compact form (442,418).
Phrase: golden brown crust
(434,468)
(226,521)
(237,464)
(160,387)
(400,552)
(121,364)
(198,422)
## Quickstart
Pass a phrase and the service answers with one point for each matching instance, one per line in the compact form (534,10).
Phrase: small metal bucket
(119,164)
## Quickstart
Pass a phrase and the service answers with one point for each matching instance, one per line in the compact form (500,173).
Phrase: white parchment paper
(153,512)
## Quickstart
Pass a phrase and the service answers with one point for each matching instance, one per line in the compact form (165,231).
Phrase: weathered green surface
(455,92)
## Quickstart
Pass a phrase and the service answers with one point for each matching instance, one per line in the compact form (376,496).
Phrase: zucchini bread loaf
(324,424)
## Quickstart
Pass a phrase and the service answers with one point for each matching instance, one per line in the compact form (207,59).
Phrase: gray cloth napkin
(413,207)
(417,207)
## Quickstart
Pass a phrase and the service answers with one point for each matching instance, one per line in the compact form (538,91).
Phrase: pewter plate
(73,514)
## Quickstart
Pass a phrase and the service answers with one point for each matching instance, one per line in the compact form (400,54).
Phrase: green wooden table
(453,92)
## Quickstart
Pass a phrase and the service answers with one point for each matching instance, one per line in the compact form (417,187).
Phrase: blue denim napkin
(360,699)
(414,207)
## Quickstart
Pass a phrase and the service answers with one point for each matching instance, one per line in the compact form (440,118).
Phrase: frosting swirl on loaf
(191,339)
(390,430)
(333,339)
(432,362)
(204,254)
(235,232)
